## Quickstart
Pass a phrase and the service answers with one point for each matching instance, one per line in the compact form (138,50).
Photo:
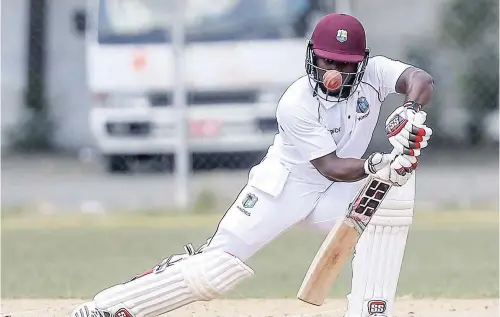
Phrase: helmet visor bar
(349,83)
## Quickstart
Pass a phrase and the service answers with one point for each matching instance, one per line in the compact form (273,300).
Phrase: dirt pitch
(271,308)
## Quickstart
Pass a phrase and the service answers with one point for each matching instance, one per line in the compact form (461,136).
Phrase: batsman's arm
(417,85)
(402,129)
(388,167)
(300,126)
(339,169)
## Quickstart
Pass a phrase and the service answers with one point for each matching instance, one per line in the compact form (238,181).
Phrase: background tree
(471,28)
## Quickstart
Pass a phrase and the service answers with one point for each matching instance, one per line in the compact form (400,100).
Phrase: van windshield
(149,21)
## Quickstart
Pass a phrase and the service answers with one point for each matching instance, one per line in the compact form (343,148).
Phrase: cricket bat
(339,245)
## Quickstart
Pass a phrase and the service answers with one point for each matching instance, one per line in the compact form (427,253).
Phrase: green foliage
(468,38)
(471,29)
(466,23)
(480,80)
(34,132)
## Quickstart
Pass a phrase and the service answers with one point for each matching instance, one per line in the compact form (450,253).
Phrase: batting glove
(406,130)
(396,169)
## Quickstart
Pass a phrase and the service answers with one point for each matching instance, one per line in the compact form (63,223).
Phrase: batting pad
(200,277)
(379,256)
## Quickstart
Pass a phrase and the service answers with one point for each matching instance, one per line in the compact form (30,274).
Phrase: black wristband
(413,105)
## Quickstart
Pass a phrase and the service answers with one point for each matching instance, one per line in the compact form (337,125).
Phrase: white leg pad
(200,277)
(379,255)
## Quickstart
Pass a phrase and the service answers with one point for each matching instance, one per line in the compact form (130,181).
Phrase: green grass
(448,254)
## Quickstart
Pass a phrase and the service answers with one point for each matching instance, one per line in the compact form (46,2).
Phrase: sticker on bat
(377,306)
(367,202)
(122,313)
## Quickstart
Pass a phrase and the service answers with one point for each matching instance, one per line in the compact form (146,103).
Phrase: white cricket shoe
(88,309)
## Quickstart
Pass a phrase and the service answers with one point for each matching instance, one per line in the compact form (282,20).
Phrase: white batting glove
(403,167)
(396,169)
(406,130)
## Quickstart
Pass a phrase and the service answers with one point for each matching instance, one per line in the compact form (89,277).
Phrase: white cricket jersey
(310,127)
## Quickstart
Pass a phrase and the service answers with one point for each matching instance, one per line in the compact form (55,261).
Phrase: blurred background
(99,108)
(129,127)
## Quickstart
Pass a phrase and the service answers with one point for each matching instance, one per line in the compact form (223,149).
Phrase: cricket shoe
(88,309)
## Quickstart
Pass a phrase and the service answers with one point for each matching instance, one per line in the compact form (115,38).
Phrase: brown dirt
(271,308)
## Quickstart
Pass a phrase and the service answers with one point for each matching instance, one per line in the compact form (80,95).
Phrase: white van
(240,56)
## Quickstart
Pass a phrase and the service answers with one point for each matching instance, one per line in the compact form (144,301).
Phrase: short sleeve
(302,129)
(386,72)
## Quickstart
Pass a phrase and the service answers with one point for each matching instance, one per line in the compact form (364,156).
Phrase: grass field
(450,255)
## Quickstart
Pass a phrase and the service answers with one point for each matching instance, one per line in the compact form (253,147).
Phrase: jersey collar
(330,104)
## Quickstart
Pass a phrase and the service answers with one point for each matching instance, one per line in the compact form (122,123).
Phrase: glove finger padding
(396,169)
(418,124)
(408,143)
(407,148)
(400,170)
(404,164)
(418,129)
(414,162)
(412,136)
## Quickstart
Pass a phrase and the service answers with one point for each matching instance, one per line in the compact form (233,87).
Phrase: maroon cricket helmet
(341,38)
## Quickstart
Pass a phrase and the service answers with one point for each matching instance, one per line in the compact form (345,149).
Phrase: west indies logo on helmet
(337,38)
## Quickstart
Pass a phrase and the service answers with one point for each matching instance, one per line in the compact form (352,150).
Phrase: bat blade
(327,264)
(339,245)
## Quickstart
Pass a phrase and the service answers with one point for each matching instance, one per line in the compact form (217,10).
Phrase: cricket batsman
(308,177)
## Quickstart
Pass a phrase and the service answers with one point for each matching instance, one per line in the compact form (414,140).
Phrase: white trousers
(243,231)
(257,217)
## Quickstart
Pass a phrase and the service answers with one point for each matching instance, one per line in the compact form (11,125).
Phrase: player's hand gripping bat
(341,241)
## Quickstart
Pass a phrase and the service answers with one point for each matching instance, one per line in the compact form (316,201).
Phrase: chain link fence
(90,115)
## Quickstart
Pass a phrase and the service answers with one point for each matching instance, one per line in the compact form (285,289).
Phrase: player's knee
(229,242)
